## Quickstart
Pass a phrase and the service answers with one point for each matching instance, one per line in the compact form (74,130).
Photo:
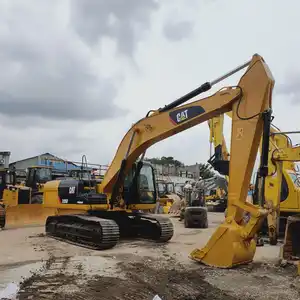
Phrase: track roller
(153,227)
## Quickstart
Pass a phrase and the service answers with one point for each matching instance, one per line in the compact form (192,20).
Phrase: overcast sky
(76,74)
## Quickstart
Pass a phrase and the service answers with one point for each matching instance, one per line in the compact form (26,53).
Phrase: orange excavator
(115,209)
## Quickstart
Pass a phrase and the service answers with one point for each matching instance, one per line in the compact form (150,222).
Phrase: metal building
(47,159)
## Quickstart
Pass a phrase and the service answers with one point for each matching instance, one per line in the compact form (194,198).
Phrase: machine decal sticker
(180,115)
(72,189)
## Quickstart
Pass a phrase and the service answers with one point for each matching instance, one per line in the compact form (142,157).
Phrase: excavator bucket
(25,215)
(290,249)
(235,249)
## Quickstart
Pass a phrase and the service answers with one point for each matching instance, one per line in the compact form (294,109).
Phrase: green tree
(165,160)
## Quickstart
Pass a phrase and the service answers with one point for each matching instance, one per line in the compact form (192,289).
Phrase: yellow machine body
(23,202)
(22,215)
(233,241)
(291,246)
(281,175)
(165,194)
(166,203)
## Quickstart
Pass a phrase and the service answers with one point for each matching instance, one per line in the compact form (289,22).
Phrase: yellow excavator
(115,210)
(282,191)
(280,172)
(6,178)
(22,203)
(291,246)
(166,194)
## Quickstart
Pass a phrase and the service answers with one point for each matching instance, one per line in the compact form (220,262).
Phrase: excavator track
(102,230)
(84,230)
(140,225)
(153,227)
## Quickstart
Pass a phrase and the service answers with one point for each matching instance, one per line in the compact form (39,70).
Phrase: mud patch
(38,235)
(256,281)
(140,280)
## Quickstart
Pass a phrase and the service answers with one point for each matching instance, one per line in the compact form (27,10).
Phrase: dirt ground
(49,269)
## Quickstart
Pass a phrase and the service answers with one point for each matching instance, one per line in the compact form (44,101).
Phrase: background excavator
(291,246)
(281,175)
(216,193)
(23,202)
(282,192)
(6,178)
(99,220)
(166,195)
(220,162)
(22,196)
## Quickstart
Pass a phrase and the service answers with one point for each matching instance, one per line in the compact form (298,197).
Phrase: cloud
(290,87)
(68,86)
(178,31)
(48,70)
(123,21)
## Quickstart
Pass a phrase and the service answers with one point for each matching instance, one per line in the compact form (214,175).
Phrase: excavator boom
(250,102)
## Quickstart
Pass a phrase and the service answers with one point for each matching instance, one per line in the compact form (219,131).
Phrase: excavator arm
(250,102)
(281,162)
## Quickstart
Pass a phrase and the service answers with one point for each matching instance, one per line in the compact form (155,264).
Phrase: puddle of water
(15,275)
(11,277)
(10,292)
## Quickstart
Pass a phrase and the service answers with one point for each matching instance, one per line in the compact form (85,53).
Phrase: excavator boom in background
(220,162)
(220,159)
(128,187)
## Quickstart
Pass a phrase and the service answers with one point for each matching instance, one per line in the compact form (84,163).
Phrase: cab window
(146,185)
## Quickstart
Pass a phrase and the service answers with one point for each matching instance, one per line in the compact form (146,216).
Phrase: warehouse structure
(45,159)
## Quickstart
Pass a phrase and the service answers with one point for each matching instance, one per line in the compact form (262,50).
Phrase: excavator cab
(86,177)
(161,189)
(166,192)
(37,175)
(140,190)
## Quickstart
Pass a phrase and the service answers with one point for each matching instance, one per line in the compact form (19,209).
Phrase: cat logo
(181,116)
